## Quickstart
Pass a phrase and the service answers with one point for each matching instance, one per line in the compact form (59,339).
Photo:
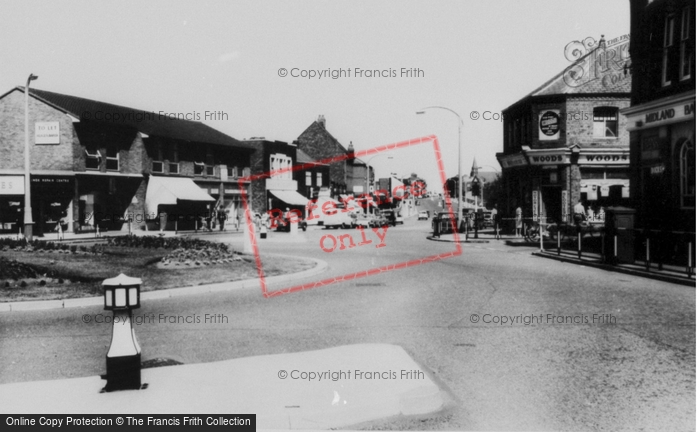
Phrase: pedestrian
(601,214)
(207,219)
(163,220)
(221,215)
(579,213)
(436,227)
(590,216)
(518,221)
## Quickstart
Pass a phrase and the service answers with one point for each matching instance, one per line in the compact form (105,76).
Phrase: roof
(304,158)
(146,122)
(319,128)
(575,80)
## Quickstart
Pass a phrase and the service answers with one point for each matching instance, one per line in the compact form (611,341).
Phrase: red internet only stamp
(362,273)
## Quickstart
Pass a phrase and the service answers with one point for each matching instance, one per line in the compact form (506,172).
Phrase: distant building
(567,141)
(661,119)
(348,175)
(313,178)
(95,164)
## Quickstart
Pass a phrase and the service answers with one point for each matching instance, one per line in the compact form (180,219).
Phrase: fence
(663,250)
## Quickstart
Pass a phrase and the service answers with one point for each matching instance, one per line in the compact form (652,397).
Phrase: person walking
(579,213)
(221,216)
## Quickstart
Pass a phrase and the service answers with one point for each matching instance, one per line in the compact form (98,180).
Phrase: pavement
(285,391)
(372,381)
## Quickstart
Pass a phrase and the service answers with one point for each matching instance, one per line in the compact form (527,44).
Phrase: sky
(226,57)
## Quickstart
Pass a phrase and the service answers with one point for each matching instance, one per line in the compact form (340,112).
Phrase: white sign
(358,189)
(11,185)
(549,125)
(47,133)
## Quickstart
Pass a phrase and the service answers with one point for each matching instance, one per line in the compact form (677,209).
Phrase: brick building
(567,141)
(348,175)
(661,118)
(298,177)
(97,164)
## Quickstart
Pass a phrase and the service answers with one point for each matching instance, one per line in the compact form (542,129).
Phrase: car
(391,217)
(423,215)
(359,219)
(379,220)
(286,227)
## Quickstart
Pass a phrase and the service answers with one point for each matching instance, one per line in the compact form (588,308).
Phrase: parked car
(359,219)
(390,216)
(423,215)
(287,226)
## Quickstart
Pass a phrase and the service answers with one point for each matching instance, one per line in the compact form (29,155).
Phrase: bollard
(498,232)
(602,247)
(176,225)
(690,259)
(647,263)
(541,239)
(122,295)
(615,247)
(579,244)
(558,240)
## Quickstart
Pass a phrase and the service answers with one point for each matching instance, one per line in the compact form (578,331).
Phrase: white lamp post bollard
(123,295)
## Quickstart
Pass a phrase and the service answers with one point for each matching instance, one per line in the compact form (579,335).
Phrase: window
(319,179)
(232,172)
(209,169)
(605,122)
(174,168)
(308,179)
(92,159)
(198,168)
(668,43)
(112,158)
(687,172)
(687,46)
(157,165)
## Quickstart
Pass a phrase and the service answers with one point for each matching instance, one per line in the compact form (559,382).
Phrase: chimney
(351,150)
(322,121)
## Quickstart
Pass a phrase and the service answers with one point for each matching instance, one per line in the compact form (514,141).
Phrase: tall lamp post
(459,158)
(28,221)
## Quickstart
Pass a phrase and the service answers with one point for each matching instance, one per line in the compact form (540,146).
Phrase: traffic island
(331,388)
(448,238)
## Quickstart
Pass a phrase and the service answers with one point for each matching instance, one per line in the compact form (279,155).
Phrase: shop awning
(168,190)
(290,197)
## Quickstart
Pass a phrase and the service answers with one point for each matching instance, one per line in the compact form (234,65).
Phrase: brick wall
(42,157)
(578,116)
(318,143)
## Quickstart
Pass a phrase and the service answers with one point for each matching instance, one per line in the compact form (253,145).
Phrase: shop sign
(231,191)
(47,133)
(668,114)
(548,159)
(535,203)
(513,161)
(549,124)
(606,159)
(657,169)
(11,185)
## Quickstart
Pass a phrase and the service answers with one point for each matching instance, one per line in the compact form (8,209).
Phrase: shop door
(551,203)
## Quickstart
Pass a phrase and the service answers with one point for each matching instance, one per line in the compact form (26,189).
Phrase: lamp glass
(133,296)
(108,298)
(120,297)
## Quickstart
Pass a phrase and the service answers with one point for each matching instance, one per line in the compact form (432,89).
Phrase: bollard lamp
(123,295)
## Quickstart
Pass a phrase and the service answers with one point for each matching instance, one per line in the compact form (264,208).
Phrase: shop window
(319,179)
(92,159)
(198,168)
(157,167)
(605,122)
(308,179)
(687,46)
(687,172)
(112,158)
(668,44)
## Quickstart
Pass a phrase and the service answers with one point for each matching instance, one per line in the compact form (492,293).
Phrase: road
(624,361)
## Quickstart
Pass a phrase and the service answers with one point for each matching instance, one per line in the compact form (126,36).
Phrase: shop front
(11,203)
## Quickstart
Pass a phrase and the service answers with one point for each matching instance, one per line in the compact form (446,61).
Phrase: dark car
(287,225)
(390,216)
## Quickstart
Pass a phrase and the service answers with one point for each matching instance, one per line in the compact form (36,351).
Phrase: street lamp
(459,159)
(28,222)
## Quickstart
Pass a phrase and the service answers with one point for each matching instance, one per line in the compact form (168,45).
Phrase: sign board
(549,125)
(616,158)
(513,160)
(11,185)
(549,158)
(358,189)
(565,205)
(535,203)
(47,133)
